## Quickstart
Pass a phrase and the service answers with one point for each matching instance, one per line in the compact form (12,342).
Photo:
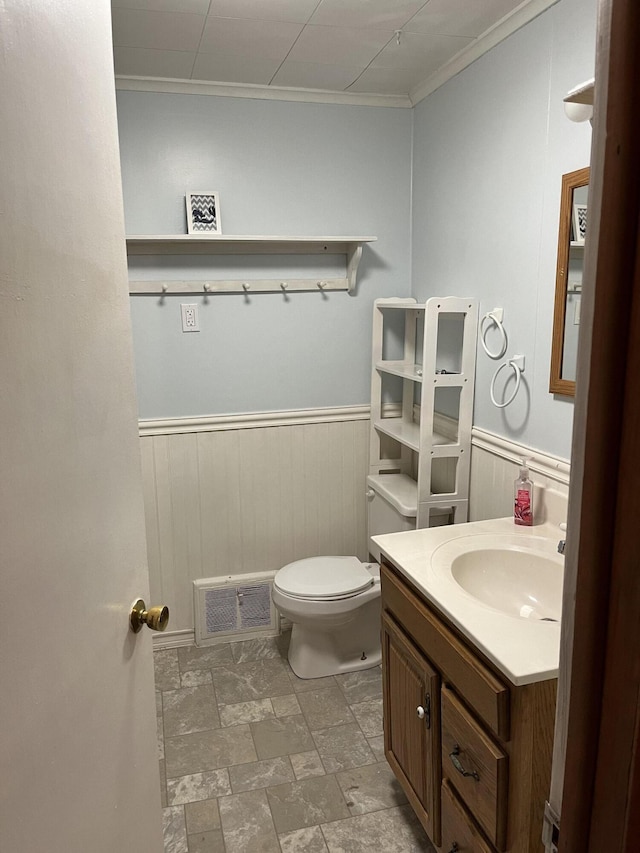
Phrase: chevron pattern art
(203,214)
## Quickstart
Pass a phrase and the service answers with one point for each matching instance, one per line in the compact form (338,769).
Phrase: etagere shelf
(427,476)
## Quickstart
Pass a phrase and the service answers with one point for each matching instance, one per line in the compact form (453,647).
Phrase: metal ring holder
(494,317)
(517,364)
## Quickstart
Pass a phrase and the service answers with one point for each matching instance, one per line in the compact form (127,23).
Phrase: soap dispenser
(523,497)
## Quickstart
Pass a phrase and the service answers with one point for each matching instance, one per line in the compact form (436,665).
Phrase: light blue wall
(280,168)
(490,147)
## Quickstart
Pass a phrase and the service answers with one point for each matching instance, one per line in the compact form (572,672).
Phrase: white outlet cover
(190,319)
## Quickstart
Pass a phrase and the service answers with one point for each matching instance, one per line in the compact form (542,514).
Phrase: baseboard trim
(173,639)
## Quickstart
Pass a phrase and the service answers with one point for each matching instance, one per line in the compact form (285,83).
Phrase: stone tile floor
(253,758)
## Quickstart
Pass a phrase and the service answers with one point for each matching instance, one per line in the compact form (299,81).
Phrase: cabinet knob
(454,848)
(420,712)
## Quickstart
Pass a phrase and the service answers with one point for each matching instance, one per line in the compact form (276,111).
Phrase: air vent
(235,607)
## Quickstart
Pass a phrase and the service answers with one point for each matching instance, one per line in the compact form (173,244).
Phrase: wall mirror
(566,315)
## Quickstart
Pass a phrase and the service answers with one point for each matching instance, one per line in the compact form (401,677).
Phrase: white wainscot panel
(238,495)
(495,463)
(244,497)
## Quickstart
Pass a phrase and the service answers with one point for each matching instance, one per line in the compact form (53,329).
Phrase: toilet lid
(323,578)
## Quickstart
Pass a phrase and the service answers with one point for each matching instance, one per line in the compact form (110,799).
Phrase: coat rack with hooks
(187,244)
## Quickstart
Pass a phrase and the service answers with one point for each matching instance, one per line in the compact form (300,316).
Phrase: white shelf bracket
(354,254)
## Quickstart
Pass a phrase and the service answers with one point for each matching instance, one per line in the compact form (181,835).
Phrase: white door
(78,769)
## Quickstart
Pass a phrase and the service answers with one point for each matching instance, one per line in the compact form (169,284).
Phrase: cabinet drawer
(475,767)
(471,678)
(459,835)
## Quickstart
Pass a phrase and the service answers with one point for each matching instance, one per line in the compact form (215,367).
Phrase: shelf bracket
(354,254)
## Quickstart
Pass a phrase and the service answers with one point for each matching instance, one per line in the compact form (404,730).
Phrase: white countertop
(525,650)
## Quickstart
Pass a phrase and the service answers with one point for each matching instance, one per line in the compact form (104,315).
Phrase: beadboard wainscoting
(236,495)
(495,462)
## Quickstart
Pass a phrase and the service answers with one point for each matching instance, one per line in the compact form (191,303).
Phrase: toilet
(334,602)
(334,605)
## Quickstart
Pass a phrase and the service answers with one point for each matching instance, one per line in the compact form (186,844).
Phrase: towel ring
(518,370)
(497,321)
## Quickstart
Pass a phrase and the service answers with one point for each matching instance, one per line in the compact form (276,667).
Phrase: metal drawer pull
(456,763)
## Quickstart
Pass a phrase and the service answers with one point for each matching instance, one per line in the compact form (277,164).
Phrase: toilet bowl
(334,605)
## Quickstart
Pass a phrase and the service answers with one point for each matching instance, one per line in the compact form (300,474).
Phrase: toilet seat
(323,578)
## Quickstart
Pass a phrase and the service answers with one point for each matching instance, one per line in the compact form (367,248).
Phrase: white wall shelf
(189,244)
(582,94)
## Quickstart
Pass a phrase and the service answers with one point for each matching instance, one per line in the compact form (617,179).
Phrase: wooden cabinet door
(411,694)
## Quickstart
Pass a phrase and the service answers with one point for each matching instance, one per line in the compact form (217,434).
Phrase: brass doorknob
(156,618)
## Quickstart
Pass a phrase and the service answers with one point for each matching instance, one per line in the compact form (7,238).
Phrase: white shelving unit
(423,473)
(188,244)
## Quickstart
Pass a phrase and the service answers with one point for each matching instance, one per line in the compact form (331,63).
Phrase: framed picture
(203,213)
(579,222)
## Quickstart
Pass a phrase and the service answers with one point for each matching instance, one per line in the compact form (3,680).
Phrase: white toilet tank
(393,512)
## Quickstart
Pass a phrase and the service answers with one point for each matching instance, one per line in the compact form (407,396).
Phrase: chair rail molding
(251,420)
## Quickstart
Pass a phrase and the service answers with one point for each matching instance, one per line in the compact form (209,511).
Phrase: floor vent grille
(235,607)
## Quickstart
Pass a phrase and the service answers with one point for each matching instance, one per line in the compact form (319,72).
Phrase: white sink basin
(521,578)
(496,583)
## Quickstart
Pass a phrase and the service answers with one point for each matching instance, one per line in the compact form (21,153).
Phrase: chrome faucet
(561,546)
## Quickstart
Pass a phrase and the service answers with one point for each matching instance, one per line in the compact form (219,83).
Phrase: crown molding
(266,93)
(517,19)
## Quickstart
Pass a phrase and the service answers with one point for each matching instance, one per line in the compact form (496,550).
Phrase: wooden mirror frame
(570,182)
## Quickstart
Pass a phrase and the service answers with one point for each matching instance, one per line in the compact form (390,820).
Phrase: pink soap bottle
(523,497)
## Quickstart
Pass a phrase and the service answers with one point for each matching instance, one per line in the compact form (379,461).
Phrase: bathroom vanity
(470,687)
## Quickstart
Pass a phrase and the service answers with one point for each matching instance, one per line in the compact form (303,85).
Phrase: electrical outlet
(190,321)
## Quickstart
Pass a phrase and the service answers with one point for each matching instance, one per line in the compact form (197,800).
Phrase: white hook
(322,285)
(284,285)
(246,287)
(165,287)
(207,287)
(397,34)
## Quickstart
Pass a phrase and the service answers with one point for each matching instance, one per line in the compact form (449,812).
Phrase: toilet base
(316,653)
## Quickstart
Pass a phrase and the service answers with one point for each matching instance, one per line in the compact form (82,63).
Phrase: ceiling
(383,47)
